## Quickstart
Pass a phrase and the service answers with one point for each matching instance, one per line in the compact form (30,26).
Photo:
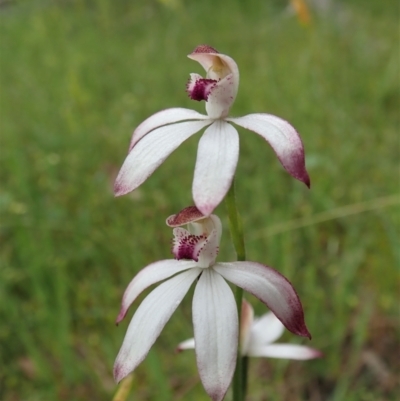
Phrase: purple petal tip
(307,181)
(301,175)
(299,328)
(120,317)
(318,354)
(118,373)
(119,189)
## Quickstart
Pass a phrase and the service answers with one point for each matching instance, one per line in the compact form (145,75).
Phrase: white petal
(270,287)
(266,329)
(217,157)
(161,118)
(283,138)
(209,252)
(151,274)
(151,151)
(149,319)
(187,344)
(221,97)
(215,321)
(284,351)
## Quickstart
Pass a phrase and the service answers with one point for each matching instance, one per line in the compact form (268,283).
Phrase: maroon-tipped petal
(270,287)
(283,138)
(121,316)
(120,189)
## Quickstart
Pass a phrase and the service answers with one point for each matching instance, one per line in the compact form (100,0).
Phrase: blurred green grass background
(78,76)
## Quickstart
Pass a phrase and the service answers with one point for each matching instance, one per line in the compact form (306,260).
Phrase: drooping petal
(161,118)
(284,351)
(215,322)
(217,157)
(187,344)
(266,329)
(270,287)
(282,137)
(151,274)
(151,151)
(149,319)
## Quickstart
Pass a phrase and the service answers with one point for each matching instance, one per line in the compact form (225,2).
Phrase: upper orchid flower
(258,335)
(218,151)
(215,317)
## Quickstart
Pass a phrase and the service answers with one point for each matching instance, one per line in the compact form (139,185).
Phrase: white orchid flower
(258,338)
(218,151)
(215,317)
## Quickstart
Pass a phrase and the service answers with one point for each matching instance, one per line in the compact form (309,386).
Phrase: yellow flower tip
(302,11)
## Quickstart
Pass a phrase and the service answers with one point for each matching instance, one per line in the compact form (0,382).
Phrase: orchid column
(217,156)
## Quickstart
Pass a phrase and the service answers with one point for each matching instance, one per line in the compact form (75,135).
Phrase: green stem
(235,224)
(236,229)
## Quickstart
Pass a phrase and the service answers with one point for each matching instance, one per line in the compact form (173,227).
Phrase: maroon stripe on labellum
(189,247)
(200,89)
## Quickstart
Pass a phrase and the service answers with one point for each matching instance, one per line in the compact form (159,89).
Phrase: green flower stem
(236,229)
(235,224)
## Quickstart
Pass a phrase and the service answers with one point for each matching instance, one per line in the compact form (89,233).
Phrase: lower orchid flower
(258,338)
(218,151)
(215,317)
